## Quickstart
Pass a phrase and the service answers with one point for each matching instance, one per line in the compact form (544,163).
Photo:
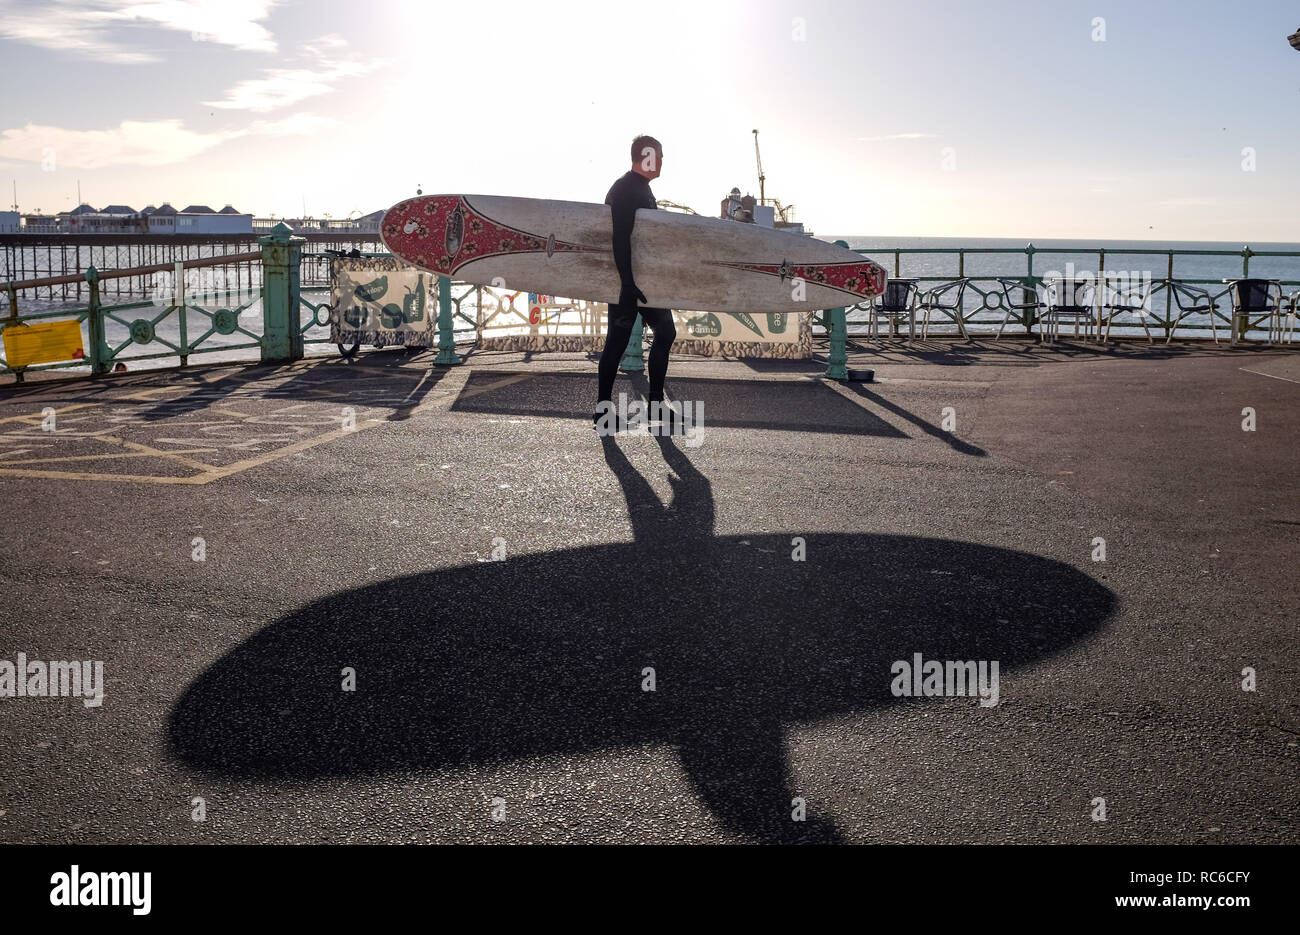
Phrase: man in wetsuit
(629,193)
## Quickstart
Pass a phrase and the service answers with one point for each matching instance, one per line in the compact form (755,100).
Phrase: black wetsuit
(625,196)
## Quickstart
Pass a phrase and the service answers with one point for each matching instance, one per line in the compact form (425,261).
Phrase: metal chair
(1024,305)
(943,299)
(1069,298)
(1191,300)
(897,302)
(1256,299)
(1294,299)
(1120,295)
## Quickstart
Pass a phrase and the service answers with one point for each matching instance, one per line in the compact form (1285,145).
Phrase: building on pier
(123,219)
(160,220)
(200,219)
(165,219)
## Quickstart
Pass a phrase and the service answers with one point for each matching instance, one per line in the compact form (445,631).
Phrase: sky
(1097,119)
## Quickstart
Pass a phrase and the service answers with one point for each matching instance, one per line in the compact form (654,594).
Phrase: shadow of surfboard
(544,654)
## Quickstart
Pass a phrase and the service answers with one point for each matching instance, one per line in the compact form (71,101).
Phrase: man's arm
(623,211)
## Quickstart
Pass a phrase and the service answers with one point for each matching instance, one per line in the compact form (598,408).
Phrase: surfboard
(680,261)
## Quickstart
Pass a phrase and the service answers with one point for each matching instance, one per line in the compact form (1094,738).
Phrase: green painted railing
(119,333)
(128,332)
(985,296)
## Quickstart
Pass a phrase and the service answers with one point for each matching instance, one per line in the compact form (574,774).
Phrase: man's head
(647,156)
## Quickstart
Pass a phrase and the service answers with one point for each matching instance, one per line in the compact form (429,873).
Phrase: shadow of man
(549,654)
(732,747)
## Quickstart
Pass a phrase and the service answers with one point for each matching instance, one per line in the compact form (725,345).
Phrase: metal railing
(179,319)
(50,255)
(184,325)
(983,305)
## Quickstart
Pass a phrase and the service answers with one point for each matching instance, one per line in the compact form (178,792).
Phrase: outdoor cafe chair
(1253,302)
(1069,298)
(944,299)
(1294,299)
(1191,300)
(897,302)
(1022,305)
(1120,295)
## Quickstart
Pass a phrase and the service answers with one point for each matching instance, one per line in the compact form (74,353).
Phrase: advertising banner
(382,302)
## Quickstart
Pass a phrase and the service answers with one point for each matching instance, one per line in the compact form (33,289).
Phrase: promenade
(385,602)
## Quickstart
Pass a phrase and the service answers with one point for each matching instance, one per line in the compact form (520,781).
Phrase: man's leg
(660,321)
(617,334)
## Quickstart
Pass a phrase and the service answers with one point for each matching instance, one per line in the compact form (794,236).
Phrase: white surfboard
(679,261)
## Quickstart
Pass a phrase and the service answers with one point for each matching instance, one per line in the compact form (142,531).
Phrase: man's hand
(630,295)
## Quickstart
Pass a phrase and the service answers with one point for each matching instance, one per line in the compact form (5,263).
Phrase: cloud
(280,88)
(58,25)
(138,143)
(899,136)
(225,22)
(283,87)
(95,29)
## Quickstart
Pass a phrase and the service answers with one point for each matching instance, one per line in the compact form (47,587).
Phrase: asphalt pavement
(381,601)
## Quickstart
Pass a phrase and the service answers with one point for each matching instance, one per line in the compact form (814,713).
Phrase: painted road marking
(29,416)
(106,456)
(208,476)
(1271,376)
(496,385)
(121,413)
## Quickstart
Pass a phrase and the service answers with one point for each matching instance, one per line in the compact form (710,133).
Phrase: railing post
(447,355)
(838,332)
(281,329)
(634,357)
(1030,318)
(13,320)
(1098,295)
(180,301)
(99,351)
(1169,298)
(1241,318)
(478,314)
(838,358)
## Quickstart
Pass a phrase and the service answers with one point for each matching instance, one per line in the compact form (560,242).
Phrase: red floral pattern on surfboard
(863,279)
(444,232)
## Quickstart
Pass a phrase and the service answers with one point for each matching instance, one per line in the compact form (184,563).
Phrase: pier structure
(35,256)
(232,541)
(242,302)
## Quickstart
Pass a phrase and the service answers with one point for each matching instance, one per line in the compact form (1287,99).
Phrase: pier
(415,577)
(274,301)
(36,256)
(230,541)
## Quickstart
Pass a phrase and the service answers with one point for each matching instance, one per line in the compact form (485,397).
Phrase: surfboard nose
(428,231)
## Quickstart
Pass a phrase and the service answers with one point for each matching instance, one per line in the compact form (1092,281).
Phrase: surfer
(626,195)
